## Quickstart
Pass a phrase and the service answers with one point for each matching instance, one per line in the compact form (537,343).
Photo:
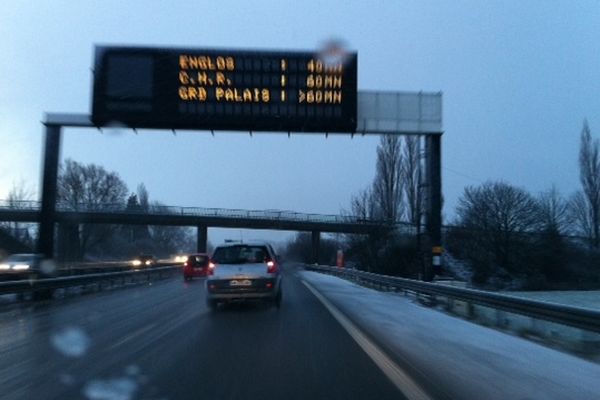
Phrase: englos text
(206,62)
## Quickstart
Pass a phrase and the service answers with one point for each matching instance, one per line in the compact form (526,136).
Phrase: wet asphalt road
(160,341)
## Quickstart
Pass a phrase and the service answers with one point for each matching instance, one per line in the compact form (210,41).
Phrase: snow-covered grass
(577,298)
(456,357)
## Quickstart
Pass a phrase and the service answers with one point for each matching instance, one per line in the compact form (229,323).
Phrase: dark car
(244,272)
(196,265)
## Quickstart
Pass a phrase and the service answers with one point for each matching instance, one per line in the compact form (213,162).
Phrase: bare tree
(553,211)
(553,250)
(495,215)
(388,184)
(17,198)
(411,175)
(589,175)
(143,231)
(580,216)
(167,240)
(143,197)
(362,248)
(363,205)
(90,187)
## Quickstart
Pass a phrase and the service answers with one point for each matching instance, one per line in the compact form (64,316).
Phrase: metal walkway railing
(274,215)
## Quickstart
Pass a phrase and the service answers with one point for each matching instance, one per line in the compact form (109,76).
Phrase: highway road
(160,341)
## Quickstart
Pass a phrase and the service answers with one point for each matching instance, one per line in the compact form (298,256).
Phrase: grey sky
(518,78)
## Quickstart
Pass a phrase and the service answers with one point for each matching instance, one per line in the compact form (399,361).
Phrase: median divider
(60,282)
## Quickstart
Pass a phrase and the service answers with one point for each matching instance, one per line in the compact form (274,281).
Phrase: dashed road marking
(132,336)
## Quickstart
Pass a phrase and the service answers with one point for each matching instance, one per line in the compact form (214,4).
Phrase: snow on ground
(457,268)
(456,357)
(577,298)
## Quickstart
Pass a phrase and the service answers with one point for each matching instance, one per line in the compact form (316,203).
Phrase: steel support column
(68,246)
(202,239)
(433,223)
(45,243)
(316,244)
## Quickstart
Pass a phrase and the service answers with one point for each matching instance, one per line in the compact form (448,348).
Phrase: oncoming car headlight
(4,267)
(136,263)
(20,267)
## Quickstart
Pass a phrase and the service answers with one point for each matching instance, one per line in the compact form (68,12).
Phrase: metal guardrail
(82,268)
(581,318)
(9,287)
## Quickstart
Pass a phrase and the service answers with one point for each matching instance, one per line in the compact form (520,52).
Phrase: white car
(244,271)
(21,266)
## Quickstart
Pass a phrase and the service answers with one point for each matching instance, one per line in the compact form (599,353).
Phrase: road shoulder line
(395,374)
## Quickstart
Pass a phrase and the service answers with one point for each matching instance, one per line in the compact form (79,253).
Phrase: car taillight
(185,264)
(271,267)
(211,267)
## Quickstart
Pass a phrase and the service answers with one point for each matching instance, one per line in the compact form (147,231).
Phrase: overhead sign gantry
(240,90)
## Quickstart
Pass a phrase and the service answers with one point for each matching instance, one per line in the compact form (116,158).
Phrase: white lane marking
(132,336)
(399,378)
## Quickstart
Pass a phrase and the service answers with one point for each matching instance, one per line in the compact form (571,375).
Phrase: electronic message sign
(144,87)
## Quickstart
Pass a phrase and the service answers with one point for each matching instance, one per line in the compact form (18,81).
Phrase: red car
(197,265)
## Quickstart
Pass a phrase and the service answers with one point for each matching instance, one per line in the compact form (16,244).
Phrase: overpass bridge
(200,217)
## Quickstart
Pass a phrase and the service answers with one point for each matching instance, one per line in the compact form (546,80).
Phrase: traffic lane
(163,342)
(59,347)
(258,352)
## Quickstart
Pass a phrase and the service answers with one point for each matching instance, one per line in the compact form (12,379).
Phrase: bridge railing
(274,215)
(32,205)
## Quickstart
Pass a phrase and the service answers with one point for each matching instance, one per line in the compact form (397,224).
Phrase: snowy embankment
(455,358)
(576,298)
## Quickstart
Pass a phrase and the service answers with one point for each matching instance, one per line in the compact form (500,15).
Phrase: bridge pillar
(202,239)
(433,202)
(45,243)
(316,243)
(67,247)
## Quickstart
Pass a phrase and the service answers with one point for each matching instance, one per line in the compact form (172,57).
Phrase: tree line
(511,238)
(395,194)
(84,186)
(503,235)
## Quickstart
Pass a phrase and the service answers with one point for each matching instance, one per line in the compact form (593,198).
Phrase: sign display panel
(143,87)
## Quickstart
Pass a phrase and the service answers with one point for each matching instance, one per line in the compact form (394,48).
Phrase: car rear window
(241,254)
(201,260)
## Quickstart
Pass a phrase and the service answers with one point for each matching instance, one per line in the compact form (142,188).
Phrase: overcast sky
(517,77)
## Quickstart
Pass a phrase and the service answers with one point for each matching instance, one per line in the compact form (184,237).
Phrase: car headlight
(136,263)
(4,267)
(148,262)
(20,267)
